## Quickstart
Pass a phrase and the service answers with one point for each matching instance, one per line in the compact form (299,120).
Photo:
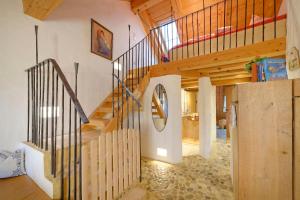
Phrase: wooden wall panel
(94,169)
(102,164)
(85,172)
(265,141)
(109,177)
(234,144)
(121,161)
(115,165)
(109,163)
(297,149)
(297,87)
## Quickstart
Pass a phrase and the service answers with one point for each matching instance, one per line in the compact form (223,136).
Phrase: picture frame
(101,40)
(293,59)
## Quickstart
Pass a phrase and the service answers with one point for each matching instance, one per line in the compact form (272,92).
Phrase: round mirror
(159,107)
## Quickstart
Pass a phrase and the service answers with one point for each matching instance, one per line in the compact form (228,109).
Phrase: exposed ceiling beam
(141,5)
(40,9)
(231,81)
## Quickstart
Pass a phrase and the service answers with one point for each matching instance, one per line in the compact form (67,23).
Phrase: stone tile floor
(195,178)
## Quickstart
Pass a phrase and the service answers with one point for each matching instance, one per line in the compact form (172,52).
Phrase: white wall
(64,36)
(170,138)
(207,115)
(293,31)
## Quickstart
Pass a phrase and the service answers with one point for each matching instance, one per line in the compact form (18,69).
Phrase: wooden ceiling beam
(231,81)
(177,8)
(141,5)
(220,82)
(231,77)
(40,9)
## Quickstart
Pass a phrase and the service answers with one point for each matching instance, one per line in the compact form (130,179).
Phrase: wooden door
(265,141)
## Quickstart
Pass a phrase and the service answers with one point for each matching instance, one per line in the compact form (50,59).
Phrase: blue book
(274,69)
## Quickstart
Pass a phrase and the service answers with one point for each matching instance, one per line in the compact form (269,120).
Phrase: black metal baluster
(122,125)
(80,160)
(40,104)
(142,57)
(76,65)
(210,29)
(69,150)
(36,103)
(113,90)
(43,106)
(52,123)
(187,36)
(177,38)
(172,41)
(55,117)
(139,116)
(28,104)
(198,39)
(263,31)
(245,28)
(224,24)
(217,26)
(204,26)
(237,23)
(230,23)
(157,40)
(118,96)
(148,54)
(138,60)
(275,20)
(182,44)
(193,34)
(32,104)
(62,178)
(253,13)
(132,89)
(127,99)
(36,28)
(151,46)
(47,103)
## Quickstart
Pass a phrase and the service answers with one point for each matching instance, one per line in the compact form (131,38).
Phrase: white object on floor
(11,164)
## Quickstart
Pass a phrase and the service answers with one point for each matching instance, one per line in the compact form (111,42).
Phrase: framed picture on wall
(101,40)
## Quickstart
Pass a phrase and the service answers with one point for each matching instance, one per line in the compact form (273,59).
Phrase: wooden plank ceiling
(157,12)
(154,13)
(40,9)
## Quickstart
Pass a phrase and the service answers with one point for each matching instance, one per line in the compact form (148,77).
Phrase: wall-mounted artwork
(293,59)
(101,40)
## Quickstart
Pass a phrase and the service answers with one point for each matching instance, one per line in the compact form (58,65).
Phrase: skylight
(170,35)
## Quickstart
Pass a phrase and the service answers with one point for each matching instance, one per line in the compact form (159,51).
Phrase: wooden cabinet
(263,141)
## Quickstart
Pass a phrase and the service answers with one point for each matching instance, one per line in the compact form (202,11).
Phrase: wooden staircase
(102,118)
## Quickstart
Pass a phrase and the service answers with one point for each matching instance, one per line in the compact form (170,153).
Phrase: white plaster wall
(207,115)
(34,164)
(64,36)
(170,138)
(293,31)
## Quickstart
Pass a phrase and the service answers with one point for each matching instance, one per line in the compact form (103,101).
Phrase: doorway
(190,122)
